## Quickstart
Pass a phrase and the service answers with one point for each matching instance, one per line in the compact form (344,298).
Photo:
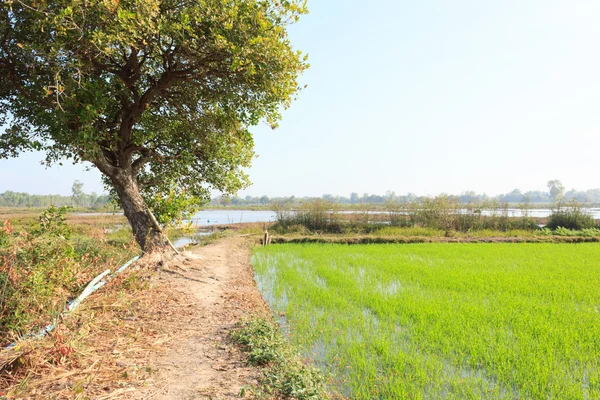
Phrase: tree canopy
(157,94)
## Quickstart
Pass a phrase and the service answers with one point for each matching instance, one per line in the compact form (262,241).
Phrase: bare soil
(200,362)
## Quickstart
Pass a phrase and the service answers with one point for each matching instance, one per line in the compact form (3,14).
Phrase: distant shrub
(409,231)
(432,215)
(444,212)
(499,233)
(315,216)
(560,231)
(571,217)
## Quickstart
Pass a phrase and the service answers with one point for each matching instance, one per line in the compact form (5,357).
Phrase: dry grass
(80,222)
(96,220)
(100,351)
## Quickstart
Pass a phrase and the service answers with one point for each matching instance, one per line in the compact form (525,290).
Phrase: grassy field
(443,321)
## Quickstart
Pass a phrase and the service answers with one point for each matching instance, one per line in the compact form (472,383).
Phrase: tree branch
(104,166)
(143,159)
(149,183)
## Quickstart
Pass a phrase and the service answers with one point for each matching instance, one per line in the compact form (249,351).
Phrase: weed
(261,340)
(286,375)
(134,282)
(545,232)
(586,232)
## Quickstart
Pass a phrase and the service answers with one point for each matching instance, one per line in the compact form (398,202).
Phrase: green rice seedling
(442,321)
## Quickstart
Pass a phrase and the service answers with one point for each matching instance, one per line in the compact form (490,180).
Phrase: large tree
(156,94)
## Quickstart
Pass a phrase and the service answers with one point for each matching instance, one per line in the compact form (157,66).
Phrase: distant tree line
(556,194)
(78,198)
(589,197)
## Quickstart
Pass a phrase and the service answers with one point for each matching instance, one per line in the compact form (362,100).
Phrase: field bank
(442,320)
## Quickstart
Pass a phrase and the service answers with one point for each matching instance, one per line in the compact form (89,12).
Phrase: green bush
(261,340)
(443,213)
(560,231)
(572,217)
(590,232)
(286,375)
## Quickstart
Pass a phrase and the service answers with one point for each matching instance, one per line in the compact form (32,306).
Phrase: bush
(316,216)
(571,217)
(261,340)
(286,375)
(590,232)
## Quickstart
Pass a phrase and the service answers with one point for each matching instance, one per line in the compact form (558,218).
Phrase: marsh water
(226,216)
(197,237)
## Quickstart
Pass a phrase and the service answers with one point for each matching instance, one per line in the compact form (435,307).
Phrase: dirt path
(200,363)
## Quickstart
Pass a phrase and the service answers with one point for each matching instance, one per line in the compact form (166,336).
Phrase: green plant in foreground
(261,340)
(285,374)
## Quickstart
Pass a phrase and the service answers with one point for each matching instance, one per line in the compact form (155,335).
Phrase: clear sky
(424,97)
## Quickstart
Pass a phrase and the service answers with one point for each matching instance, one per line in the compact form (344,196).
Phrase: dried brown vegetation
(102,350)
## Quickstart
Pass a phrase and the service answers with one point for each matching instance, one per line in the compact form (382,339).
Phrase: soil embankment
(356,239)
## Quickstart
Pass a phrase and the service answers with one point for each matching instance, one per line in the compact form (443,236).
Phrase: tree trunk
(146,233)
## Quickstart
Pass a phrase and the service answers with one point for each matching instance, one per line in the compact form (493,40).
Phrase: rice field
(442,321)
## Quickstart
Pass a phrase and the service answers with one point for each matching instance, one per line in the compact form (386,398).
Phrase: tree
(77,194)
(557,192)
(225,200)
(390,196)
(156,94)
(513,197)
(264,200)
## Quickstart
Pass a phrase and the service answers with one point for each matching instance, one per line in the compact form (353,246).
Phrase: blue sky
(423,97)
